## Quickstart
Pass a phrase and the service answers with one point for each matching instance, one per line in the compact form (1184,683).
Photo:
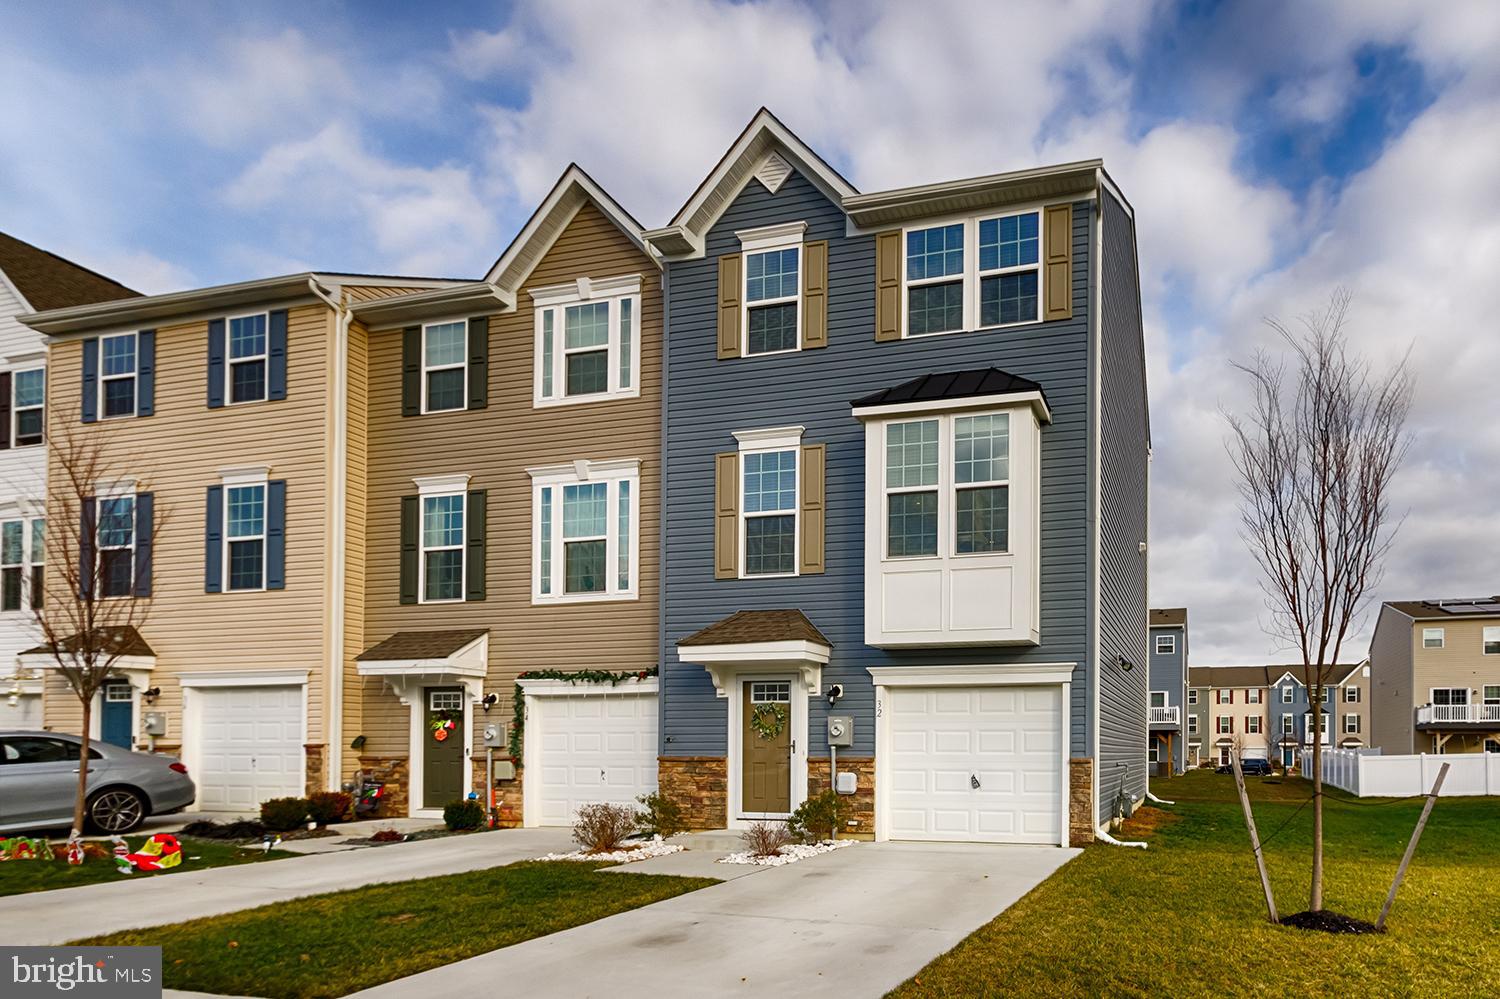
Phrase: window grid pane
(1008,298)
(583,566)
(247,511)
(622,537)
(586,510)
(911,454)
(116,522)
(771,275)
(770,481)
(246,564)
(118,355)
(982,520)
(934,253)
(547,353)
(119,397)
(31,388)
(588,373)
(770,545)
(1008,242)
(247,381)
(39,540)
(116,567)
(247,336)
(442,521)
(935,308)
(445,571)
(546,567)
(772,328)
(446,344)
(981,449)
(911,524)
(12,539)
(445,390)
(627,318)
(587,325)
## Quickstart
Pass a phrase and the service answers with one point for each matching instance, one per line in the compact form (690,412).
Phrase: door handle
(974,781)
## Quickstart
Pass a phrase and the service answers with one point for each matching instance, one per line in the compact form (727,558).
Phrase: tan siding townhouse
(218,416)
(512,455)
(1435,668)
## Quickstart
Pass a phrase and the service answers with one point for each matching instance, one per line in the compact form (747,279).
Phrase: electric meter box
(841,731)
(154,723)
(494,736)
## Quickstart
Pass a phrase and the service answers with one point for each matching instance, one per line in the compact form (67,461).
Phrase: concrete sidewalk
(56,917)
(852,923)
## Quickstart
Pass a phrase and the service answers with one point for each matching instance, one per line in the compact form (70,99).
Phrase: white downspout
(333,764)
(1103,833)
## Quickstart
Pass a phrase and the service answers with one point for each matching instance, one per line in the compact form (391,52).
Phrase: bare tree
(96,588)
(1315,457)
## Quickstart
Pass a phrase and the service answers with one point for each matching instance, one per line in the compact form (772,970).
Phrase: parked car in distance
(39,783)
(1254,767)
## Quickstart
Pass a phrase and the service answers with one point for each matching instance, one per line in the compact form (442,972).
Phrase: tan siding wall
(1257,744)
(354,555)
(495,446)
(177,455)
(1461,662)
(1392,706)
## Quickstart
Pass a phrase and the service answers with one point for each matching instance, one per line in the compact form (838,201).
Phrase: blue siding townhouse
(1169,717)
(905,458)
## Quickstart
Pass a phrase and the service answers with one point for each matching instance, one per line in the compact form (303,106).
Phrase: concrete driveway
(852,923)
(56,917)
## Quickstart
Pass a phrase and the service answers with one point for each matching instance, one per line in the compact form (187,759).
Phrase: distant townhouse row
(671,503)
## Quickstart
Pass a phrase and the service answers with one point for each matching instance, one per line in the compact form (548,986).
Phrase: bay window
(586,531)
(587,340)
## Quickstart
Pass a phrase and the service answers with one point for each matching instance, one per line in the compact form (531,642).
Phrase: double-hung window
(1492,641)
(586,531)
(587,340)
(1192,724)
(245,536)
(12,563)
(248,356)
(1224,724)
(28,406)
(1253,725)
(1288,724)
(1009,269)
(911,489)
(1166,644)
(442,532)
(1351,695)
(1432,638)
(445,369)
(769,510)
(1351,724)
(1288,694)
(973,273)
(1253,696)
(935,279)
(117,375)
(772,294)
(1192,695)
(970,491)
(117,544)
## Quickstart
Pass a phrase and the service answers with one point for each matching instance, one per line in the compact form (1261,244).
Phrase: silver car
(39,784)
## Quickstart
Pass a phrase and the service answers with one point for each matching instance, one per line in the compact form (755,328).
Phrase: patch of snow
(788,854)
(653,847)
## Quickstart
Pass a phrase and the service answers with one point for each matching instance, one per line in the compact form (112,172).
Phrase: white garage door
(594,747)
(946,740)
(249,745)
(26,714)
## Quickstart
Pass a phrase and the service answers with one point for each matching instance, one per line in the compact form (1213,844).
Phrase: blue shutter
(86,522)
(276,534)
(91,380)
(215,364)
(145,528)
(145,373)
(213,542)
(276,363)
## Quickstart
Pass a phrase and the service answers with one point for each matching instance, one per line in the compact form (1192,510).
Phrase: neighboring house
(1436,672)
(1168,752)
(1238,715)
(30,279)
(1346,709)
(221,416)
(906,461)
(1196,717)
(511,452)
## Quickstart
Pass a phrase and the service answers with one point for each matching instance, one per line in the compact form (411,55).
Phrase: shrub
(324,807)
(601,828)
(386,836)
(463,815)
(765,839)
(816,818)
(661,816)
(283,814)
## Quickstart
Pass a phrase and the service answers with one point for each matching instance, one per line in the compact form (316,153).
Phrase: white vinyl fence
(1369,774)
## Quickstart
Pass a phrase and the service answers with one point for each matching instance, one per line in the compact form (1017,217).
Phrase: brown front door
(766,747)
(443,758)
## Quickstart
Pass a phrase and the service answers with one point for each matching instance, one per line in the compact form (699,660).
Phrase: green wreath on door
(768,720)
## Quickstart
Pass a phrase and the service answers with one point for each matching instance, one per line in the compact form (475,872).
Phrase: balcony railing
(1441,714)
(1166,716)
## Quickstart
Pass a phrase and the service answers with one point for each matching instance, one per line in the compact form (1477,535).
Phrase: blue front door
(114,717)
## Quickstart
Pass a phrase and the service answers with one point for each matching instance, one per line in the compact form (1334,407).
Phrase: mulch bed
(1328,922)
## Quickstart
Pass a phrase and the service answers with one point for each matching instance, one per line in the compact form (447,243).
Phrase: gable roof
(47,281)
(572,190)
(765,134)
(745,627)
(1166,617)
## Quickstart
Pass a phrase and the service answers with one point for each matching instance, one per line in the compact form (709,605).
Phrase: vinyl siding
(495,446)
(1461,662)
(1124,448)
(177,454)
(709,399)
(1392,701)
(356,522)
(23,470)
(369,293)
(1169,674)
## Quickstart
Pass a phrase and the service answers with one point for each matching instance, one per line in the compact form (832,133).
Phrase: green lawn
(1186,917)
(20,876)
(331,945)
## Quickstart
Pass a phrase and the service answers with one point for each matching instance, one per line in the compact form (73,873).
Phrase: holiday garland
(443,722)
(768,719)
(518,700)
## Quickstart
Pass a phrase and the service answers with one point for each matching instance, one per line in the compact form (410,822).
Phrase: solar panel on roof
(1472,608)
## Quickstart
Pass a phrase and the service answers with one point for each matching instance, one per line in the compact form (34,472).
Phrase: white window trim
(135,376)
(1153,694)
(16,409)
(1432,695)
(230,361)
(947,487)
(1485,639)
(1192,724)
(1351,695)
(430,368)
(1170,643)
(767,239)
(1254,725)
(769,441)
(1288,694)
(555,477)
(239,478)
(1219,721)
(971,274)
(23,565)
(118,491)
(555,299)
(1351,729)
(1192,696)
(432,486)
(1439,633)
(1254,695)
(1288,724)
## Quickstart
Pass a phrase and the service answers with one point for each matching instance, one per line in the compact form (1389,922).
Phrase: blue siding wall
(1168,674)
(1123,477)
(708,399)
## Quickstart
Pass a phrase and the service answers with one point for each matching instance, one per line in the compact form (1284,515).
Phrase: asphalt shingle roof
(744,627)
(1168,616)
(49,282)
(121,640)
(420,645)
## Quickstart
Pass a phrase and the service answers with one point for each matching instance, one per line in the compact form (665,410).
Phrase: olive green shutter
(726,515)
(475,533)
(1059,269)
(815,294)
(814,463)
(409,560)
(411,371)
(888,285)
(729,305)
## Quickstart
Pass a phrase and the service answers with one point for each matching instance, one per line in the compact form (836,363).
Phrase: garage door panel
(249,745)
(594,748)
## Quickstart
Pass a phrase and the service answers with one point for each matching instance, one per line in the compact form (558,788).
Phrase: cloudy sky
(1272,151)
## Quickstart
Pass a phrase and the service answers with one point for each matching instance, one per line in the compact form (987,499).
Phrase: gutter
(472,297)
